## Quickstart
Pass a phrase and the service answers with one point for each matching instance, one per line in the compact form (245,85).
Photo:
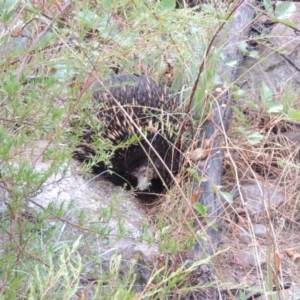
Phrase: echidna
(138,109)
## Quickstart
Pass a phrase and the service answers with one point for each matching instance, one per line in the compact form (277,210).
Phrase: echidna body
(138,109)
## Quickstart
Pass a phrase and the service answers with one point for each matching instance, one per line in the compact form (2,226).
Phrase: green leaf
(88,17)
(294,114)
(203,236)
(237,92)
(200,208)
(274,107)
(252,104)
(227,196)
(231,62)
(63,72)
(243,46)
(9,4)
(167,4)
(194,173)
(242,296)
(266,94)
(268,6)
(208,8)
(253,54)
(285,22)
(254,137)
(129,39)
(284,10)
(241,130)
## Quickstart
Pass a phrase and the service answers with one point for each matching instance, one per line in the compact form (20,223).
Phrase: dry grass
(271,168)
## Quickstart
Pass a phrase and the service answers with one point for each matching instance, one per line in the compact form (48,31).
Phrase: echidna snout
(144,174)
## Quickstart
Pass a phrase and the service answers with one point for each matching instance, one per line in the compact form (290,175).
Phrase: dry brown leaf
(296,256)
(289,252)
(16,32)
(206,143)
(197,154)
(222,144)
(57,4)
(194,198)
(277,267)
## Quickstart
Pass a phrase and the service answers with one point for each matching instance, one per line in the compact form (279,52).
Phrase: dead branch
(214,130)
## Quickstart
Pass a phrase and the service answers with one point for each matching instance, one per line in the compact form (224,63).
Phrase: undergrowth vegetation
(47,57)
(48,54)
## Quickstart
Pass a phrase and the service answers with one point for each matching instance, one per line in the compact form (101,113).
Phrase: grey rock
(243,235)
(121,228)
(252,256)
(276,68)
(259,197)
(12,40)
(260,230)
